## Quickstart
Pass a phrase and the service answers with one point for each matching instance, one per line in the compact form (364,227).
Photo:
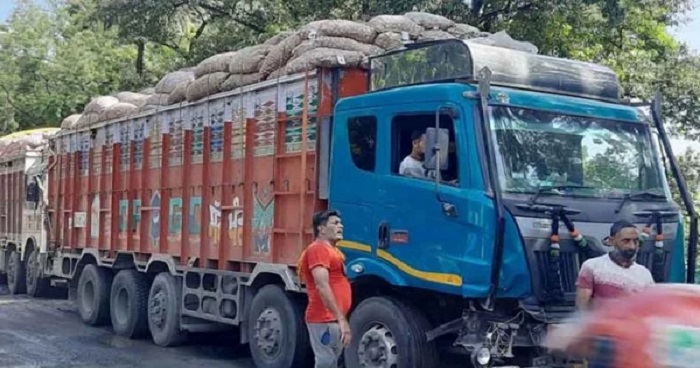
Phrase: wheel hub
(158,310)
(268,332)
(377,348)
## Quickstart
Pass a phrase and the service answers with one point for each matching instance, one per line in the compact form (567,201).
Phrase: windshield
(584,156)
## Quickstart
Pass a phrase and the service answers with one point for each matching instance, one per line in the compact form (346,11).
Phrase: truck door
(416,233)
(354,180)
(424,227)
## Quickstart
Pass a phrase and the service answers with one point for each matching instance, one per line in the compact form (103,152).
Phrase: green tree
(54,61)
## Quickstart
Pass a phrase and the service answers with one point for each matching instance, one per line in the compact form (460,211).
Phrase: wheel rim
(88,297)
(268,333)
(377,348)
(121,306)
(158,311)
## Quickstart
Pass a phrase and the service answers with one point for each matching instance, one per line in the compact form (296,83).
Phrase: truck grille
(569,267)
(571,264)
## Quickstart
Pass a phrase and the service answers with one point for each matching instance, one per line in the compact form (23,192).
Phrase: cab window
(407,131)
(362,133)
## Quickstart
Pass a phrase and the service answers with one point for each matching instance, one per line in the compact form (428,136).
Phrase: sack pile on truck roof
(322,43)
(24,141)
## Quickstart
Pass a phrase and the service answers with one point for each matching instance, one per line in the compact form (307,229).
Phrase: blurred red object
(656,328)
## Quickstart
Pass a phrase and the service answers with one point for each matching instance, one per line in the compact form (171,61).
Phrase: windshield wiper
(644,194)
(639,195)
(543,190)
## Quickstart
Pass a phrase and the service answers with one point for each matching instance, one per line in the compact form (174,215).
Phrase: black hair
(416,135)
(619,225)
(321,219)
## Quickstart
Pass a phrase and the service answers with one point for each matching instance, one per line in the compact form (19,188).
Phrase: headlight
(481,356)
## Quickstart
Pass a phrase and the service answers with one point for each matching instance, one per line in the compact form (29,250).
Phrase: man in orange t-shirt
(321,267)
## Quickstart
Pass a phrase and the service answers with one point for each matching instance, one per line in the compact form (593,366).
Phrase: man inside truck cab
(613,274)
(412,165)
(322,268)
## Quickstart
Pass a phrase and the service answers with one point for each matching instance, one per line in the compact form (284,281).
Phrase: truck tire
(277,332)
(164,301)
(129,304)
(37,284)
(389,333)
(93,295)
(16,276)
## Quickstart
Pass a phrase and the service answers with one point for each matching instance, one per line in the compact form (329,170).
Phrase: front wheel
(389,334)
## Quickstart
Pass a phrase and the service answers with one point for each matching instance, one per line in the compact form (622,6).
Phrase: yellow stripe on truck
(436,277)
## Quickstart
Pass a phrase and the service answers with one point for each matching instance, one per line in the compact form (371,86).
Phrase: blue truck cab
(528,160)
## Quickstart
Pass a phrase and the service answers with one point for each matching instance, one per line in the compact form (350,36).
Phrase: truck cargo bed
(221,183)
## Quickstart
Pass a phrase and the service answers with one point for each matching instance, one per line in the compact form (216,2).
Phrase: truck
(22,229)
(192,217)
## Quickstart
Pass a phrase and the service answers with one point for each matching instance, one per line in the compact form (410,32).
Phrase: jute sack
(117,111)
(430,21)
(69,122)
(239,80)
(248,60)
(206,85)
(170,81)
(396,24)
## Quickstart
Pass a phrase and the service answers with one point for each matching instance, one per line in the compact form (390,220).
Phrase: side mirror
(437,148)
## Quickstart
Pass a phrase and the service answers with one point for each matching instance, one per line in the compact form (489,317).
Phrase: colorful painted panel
(238,130)
(109,142)
(137,135)
(294,108)
(216,119)
(124,141)
(84,152)
(195,225)
(154,220)
(197,117)
(156,142)
(265,115)
(175,216)
(263,216)
(123,213)
(97,152)
(136,214)
(176,141)
(235,224)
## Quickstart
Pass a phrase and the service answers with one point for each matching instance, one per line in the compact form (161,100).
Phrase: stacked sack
(323,43)
(28,140)
(105,108)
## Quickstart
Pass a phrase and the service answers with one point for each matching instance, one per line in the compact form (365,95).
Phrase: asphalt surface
(48,333)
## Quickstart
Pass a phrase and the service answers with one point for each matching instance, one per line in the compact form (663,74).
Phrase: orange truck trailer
(192,216)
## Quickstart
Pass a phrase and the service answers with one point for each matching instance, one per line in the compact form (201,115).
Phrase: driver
(412,165)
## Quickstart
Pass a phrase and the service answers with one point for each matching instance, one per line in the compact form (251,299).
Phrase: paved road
(49,334)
